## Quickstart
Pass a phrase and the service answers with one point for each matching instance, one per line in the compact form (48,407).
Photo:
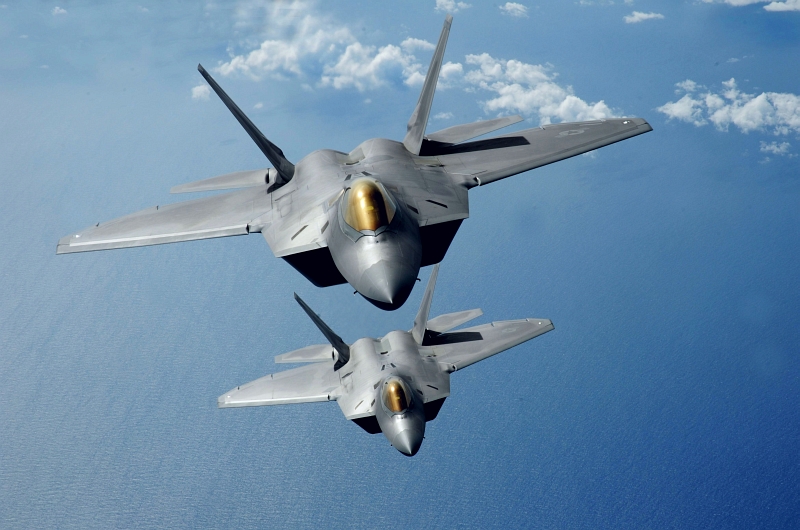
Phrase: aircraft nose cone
(387,284)
(408,441)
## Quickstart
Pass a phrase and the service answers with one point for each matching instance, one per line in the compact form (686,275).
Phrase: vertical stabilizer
(419,118)
(421,322)
(284,168)
(336,341)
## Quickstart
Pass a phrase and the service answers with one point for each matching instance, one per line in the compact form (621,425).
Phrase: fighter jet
(394,384)
(371,217)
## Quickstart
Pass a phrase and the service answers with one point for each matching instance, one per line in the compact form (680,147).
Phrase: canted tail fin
(336,341)
(284,168)
(419,118)
(421,322)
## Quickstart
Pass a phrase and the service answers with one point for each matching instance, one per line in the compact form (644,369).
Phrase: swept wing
(496,158)
(313,382)
(470,345)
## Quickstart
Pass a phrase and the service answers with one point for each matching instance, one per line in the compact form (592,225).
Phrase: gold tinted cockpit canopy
(367,206)
(395,395)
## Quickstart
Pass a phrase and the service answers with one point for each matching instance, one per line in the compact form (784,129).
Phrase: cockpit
(395,395)
(367,205)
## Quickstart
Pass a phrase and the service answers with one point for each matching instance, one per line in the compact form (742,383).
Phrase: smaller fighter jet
(394,384)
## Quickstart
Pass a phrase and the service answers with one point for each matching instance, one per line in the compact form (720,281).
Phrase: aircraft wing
(218,216)
(468,346)
(496,158)
(313,382)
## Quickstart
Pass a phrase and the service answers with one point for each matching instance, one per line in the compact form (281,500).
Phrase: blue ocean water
(666,397)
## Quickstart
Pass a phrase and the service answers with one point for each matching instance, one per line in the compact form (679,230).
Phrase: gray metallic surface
(468,131)
(357,386)
(301,218)
(284,168)
(419,118)
(239,179)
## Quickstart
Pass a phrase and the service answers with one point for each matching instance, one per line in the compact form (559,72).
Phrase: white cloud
(638,16)
(365,67)
(142,9)
(776,112)
(305,44)
(443,116)
(530,90)
(783,5)
(411,44)
(322,52)
(59,11)
(201,92)
(298,41)
(450,6)
(776,149)
(514,9)
(258,105)
(788,5)
(687,86)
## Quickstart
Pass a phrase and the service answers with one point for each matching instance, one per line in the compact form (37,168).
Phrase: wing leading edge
(210,217)
(307,384)
(470,345)
(496,158)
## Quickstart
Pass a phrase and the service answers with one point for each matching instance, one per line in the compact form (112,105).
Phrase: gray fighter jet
(394,384)
(371,217)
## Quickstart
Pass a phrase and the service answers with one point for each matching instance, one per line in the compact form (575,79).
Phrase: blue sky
(666,396)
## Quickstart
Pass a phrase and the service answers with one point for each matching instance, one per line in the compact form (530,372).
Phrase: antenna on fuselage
(419,118)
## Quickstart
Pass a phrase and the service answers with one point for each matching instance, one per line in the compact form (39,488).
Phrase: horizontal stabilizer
(309,354)
(240,179)
(467,131)
(449,321)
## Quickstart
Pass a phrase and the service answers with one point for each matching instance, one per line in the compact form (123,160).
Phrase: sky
(666,396)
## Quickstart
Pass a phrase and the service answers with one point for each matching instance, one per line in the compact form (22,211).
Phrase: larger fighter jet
(394,384)
(371,217)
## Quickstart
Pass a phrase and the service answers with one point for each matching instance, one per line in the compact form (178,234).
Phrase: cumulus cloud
(411,44)
(443,116)
(59,11)
(772,5)
(776,112)
(530,90)
(450,6)
(368,67)
(638,16)
(302,43)
(776,148)
(514,10)
(322,52)
(201,92)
